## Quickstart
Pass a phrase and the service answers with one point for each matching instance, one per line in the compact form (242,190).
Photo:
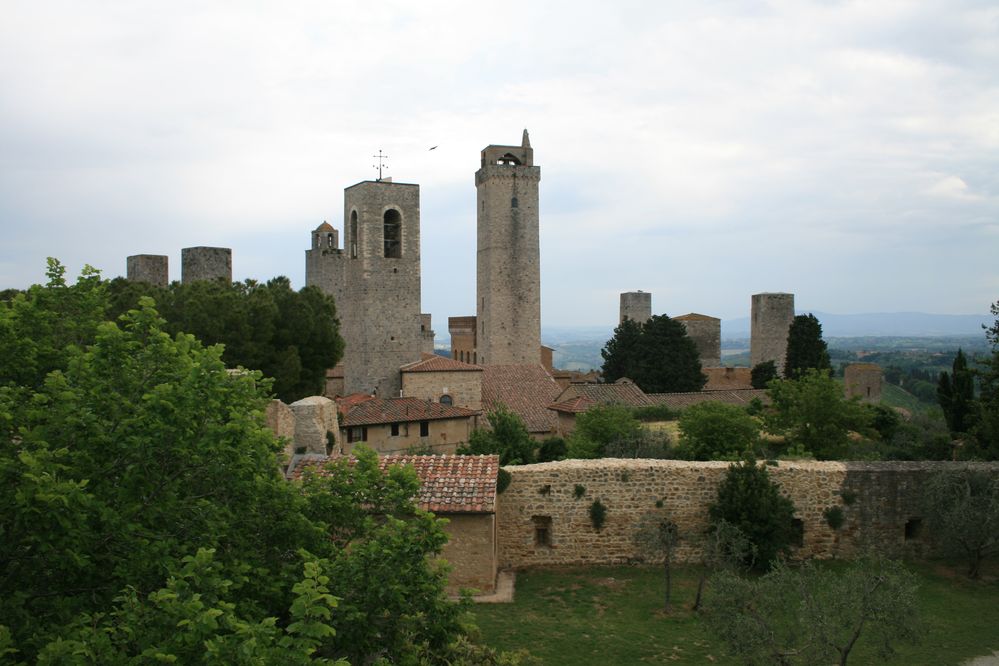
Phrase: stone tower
(771,318)
(375,281)
(636,305)
(205,263)
(863,380)
(151,268)
(508,303)
(705,331)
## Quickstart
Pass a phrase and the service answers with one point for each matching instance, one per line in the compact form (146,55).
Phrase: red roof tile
(573,405)
(448,483)
(398,410)
(619,393)
(438,363)
(525,390)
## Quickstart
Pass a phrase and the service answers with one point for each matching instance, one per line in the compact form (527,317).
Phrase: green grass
(612,615)
(895,396)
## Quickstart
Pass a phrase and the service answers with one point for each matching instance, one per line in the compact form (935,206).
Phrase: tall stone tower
(508,304)
(151,268)
(771,318)
(375,281)
(205,263)
(636,305)
(705,331)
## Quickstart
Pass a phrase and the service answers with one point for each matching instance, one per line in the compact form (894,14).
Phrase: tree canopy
(806,350)
(962,509)
(717,431)
(506,436)
(658,355)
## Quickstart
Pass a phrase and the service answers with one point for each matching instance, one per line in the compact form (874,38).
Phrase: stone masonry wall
(205,263)
(635,305)
(471,551)
(885,497)
(151,268)
(772,315)
(464,387)
(863,380)
(706,333)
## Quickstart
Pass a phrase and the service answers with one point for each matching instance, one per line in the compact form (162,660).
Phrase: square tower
(508,303)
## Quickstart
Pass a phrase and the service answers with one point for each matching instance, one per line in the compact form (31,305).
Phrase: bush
(655,445)
(600,426)
(598,514)
(552,449)
(716,431)
(653,413)
(507,437)
(762,373)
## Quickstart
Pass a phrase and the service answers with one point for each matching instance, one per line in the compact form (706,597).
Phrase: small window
(913,529)
(357,434)
(447,400)
(353,234)
(797,532)
(424,428)
(329,240)
(395,429)
(392,228)
(542,531)
(514,203)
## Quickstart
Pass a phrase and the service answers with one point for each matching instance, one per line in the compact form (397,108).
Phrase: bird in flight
(433,148)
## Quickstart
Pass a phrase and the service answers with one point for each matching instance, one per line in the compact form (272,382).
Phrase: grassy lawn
(612,615)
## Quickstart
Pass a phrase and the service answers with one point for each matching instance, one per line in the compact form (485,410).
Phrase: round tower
(772,315)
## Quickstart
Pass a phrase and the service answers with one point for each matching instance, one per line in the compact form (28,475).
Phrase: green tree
(506,436)
(599,427)
(812,615)
(762,373)
(956,395)
(962,510)
(658,355)
(726,548)
(657,536)
(716,431)
(812,414)
(750,501)
(806,350)
(986,429)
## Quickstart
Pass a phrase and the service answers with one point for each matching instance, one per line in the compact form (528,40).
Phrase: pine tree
(956,395)
(805,347)
(619,352)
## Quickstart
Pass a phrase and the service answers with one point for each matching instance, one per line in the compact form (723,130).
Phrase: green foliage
(716,431)
(750,501)
(507,436)
(755,407)
(834,517)
(806,350)
(985,443)
(647,444)
(762,374)
(552,449)
(598,514)
(849,497)
(503,479)
(962,511)
(812,411)
(657,536)
(885,421)
(600,426)
(813,615)
(649,413)
(956,395)
(578,491)
(923,437)
(725,548)
(290,336)
(658,355)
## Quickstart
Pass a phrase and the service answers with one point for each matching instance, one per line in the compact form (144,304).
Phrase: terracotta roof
(398,410)
(573,405)
(525,389)
(734,397)
(448,483)
(437,363)
(325,226)
(347,402)
(693,316)
(619,393)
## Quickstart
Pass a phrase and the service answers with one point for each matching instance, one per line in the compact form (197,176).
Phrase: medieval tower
(636,305)
(508,299)
(375,281)
(772,315)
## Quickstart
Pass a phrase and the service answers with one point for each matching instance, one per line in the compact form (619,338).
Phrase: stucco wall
(445,436)
(471,551)
(886,497)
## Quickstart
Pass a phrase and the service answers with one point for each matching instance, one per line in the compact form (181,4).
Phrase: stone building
(463,338)
(772,315)
(508,303)
(705,331)
(636,305)
(375,281)
(151,268)
(398,425)
(863,380)
(444,380)
(205,263)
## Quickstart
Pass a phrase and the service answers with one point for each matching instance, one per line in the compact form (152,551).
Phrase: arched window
(353,234)
(447,400)
(392,226)
(514,203)
(329,240)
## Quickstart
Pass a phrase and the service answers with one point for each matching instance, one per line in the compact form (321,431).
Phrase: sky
(847,152)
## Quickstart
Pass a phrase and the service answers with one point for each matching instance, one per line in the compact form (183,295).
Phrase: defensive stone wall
(544,514)
(151,268)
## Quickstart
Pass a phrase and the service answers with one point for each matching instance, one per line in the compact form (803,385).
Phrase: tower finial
(381,157)
(526,141)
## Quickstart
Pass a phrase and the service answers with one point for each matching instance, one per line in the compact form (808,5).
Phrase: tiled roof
(448,483)
(398,410)
(619,393)
(739,397)
(573,405)
(693,316)
(325,226)
(526,390)
(437,363)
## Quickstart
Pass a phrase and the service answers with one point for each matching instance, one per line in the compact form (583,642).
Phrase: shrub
(578,491)
(716,431)
(598,514)
(551,449)
(653,413)
(507,437)
(834,517)
(503,480)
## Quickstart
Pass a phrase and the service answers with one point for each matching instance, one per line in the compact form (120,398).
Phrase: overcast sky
(704,151)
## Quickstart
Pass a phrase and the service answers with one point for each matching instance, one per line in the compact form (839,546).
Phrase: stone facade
(205,263)
(151,268)
(316,426)
(375,281)
(443,436)
(543,522)
(705,331)
(463,339)
(636,305)
(471,551)
(508,303)
(863,380)
(426,333)
(772,315)
(465,388)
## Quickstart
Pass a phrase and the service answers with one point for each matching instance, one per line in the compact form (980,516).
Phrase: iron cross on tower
(381,162)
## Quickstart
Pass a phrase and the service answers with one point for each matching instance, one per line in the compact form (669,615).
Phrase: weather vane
(381,162)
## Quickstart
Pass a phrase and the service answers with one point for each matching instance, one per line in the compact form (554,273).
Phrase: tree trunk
(669,584)
(700,589)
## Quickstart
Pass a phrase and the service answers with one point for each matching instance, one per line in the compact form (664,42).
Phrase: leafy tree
(658,355)
(812,414)
(962,510)
(716,431)
(657,536)
(552,448)
(507,436)
(750,501)
(956,395)
(813,615)
(762,373)
(806,350)
(600,426)
(290,336)
(920,438)
(985,442)
(726,548)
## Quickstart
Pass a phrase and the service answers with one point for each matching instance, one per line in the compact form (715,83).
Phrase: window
(329,240)
(447,400)
(542,531)
(392,227)
(353,234)
(514,203)
(357,434)
(797,532)
(395,429)
(913,529)
(424,428)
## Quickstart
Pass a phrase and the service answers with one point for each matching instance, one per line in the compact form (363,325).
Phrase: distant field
(611,615)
